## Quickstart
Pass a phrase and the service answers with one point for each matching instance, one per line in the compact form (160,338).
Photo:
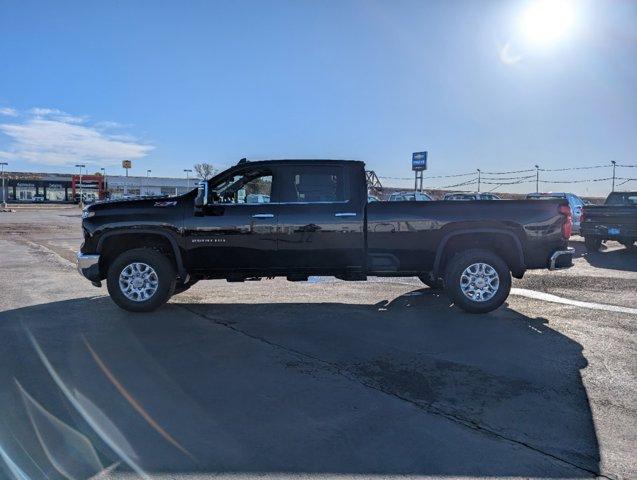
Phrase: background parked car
(257,198)
(38,198)
(409,197)
(372,198)
(575,202)
(470,196)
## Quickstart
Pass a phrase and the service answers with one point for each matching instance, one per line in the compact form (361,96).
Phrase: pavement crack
(428,408)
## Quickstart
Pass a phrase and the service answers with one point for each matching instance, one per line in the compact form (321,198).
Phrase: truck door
(321,218)
(237,231)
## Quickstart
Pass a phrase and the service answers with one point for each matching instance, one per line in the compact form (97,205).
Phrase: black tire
(629,245)
(592,244)
(182,287)
(453,278)
(437,284)
(164,270)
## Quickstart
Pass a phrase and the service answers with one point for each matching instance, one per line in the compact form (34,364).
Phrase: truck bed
(395,230)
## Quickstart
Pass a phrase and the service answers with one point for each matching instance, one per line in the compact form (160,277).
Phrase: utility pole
(537,179)
(104,181)
(4,192)
(80,166)
(187,170)
(613,162)
(147,173)
(478,180)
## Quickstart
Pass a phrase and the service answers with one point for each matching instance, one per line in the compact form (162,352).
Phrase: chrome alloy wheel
(479,282)
(138,281)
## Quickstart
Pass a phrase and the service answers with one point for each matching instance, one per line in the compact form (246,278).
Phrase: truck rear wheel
(477,281)
(592,244)
(629,244)
(141,280)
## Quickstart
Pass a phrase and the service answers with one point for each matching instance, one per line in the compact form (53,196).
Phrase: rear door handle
(263,215)
(345,214)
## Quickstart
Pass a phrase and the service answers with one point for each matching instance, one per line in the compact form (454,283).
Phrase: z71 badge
(166,204)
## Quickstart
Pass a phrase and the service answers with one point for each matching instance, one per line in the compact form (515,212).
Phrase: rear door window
(313,184)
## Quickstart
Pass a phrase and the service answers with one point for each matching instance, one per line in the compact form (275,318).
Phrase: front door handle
(263,215)
(345,214)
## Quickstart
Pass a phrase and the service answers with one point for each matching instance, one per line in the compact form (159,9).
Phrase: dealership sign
(419,161)
(126,164)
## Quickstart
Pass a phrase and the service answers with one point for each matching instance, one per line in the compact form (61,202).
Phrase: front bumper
(89,266)
(561,259)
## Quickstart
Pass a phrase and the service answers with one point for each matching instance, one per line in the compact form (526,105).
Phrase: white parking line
(547,297)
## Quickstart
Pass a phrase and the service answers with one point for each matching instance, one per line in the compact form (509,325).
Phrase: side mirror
(201,200)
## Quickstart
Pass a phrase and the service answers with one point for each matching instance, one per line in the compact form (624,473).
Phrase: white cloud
(52,137)
(8,112)
(55,114)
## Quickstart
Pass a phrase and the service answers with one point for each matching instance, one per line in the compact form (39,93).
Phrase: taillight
(567,226)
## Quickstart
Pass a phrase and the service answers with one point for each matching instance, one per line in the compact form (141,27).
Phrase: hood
(139,202)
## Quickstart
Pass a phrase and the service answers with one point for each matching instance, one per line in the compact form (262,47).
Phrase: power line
(511,178)
(573,168)
(510,171)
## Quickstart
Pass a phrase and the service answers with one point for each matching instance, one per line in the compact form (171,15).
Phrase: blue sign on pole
(419,161)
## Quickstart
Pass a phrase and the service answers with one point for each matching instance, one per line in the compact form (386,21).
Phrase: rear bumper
(561,259)
(89,266)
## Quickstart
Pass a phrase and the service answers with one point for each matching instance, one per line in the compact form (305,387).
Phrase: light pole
(104,181)
(4,192)
(187,170)
(537,179)
(613,162)
(80,166)
(126,167)
(147,173)
(478,180)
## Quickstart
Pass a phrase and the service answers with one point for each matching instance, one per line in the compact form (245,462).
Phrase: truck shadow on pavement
(620,258)
(407,386)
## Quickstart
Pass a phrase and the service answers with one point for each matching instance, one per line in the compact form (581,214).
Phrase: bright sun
(546,21)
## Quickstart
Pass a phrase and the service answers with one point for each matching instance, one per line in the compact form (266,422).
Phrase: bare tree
(204,170)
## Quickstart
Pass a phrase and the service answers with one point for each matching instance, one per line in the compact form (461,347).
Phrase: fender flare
(181,270)
(443,243)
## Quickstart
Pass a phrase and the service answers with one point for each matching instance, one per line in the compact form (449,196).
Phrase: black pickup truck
(615,220)
(296,218)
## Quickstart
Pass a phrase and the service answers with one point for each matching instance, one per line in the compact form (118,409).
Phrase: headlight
(87,213)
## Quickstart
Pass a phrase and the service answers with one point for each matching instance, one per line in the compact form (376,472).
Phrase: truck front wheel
(141,280)
(477,281)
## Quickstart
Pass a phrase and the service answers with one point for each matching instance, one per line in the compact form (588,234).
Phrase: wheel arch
(502,242)
(113,243)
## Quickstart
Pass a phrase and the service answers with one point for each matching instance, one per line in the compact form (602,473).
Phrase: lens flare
(545,22)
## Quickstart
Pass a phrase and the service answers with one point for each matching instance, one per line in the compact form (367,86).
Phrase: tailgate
(613,220)
(610,214)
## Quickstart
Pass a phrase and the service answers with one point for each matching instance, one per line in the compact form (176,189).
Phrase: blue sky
(169,84)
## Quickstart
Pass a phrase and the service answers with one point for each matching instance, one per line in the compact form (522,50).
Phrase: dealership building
(59,187)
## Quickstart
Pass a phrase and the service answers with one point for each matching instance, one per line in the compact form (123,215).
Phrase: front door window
(248,187)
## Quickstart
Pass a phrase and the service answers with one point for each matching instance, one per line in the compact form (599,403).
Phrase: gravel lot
(317,379)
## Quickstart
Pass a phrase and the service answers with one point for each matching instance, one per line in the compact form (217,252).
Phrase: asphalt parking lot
(317,379)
